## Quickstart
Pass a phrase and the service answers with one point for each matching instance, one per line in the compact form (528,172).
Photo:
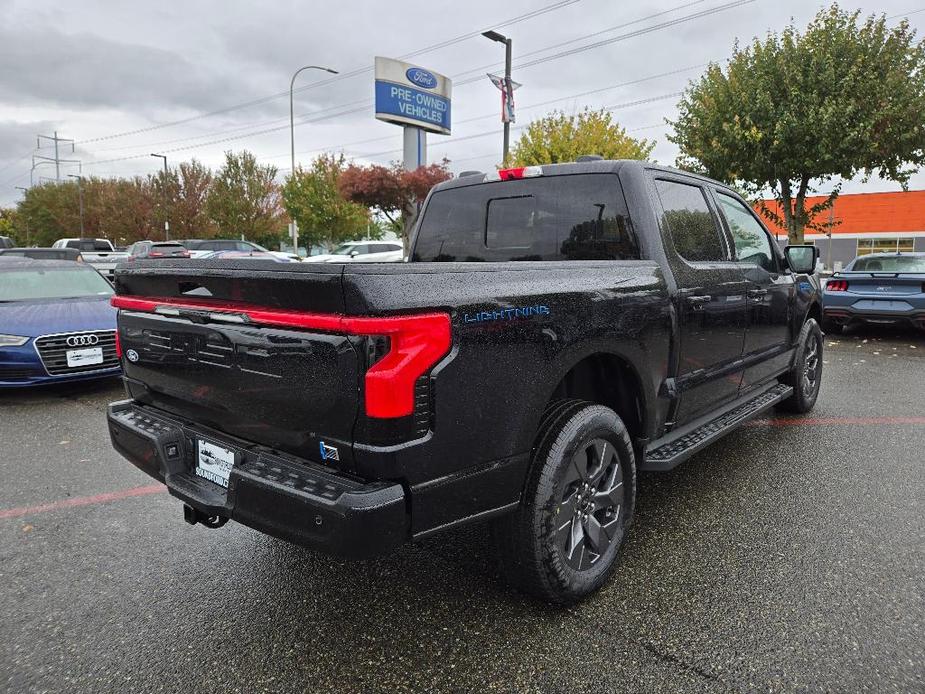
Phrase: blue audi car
(56,324)
(877,288)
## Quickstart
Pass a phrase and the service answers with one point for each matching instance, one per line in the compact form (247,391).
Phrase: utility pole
(28,235)
(57,159)
(508,86)
(80,196)
(164,197)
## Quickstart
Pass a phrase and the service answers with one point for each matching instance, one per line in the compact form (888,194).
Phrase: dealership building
(864,223)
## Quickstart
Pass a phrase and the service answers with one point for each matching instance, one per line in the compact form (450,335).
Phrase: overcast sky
(197,78)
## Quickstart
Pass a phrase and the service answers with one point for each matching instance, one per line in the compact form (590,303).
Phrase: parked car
(71,254)
(886,288)
(237,255)
(100,253)
(362,252)
(6,242)
(200,247)
(56,323)
(557,329)
(156,249)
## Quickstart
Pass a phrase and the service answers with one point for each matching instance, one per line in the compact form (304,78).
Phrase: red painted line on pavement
(82,501)
(847,421)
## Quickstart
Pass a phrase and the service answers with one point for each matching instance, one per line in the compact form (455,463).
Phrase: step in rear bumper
(293,499)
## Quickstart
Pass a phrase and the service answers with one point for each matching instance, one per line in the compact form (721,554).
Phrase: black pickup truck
(555,330)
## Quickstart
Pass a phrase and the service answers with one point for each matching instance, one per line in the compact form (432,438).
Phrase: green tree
(559,137)
(244,198)
(793,111)
(9,225)
(313,200)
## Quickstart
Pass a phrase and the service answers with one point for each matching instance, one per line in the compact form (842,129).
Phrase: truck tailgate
(280,386)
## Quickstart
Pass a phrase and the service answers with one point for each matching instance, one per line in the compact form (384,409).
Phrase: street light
(495,36)
(166,223)
(295,226)
(80,195)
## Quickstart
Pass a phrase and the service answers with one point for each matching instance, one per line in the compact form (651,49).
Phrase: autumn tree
(392,191)
(245,199)
(125,210)
(312,198)
(181,193)
(559,138)
(798,111)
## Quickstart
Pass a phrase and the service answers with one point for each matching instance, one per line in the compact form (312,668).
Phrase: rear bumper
(880,312)
(296,500)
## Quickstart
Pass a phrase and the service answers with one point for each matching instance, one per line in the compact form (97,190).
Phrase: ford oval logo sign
(421,77)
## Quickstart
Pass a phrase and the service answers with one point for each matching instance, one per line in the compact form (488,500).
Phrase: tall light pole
(495,36)
(28,235)
(295,227)
(80,195)
(164,201)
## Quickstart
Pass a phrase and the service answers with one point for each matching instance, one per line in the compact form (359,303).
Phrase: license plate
(84,357)
(213,462)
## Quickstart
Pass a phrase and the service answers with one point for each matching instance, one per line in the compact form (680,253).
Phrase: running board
(665,456)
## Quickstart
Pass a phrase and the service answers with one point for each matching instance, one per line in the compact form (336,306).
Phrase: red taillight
(155,254)
(837,286)
(416,342)
(118,346)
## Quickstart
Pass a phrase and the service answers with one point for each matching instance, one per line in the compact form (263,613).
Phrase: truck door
(770,296)
(710,298)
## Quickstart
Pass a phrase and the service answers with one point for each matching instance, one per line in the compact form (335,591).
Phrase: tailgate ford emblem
(421,77)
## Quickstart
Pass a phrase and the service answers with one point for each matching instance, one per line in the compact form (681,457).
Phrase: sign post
(417,99)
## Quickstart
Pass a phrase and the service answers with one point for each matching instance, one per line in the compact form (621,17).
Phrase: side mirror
(354,253)
(802,259)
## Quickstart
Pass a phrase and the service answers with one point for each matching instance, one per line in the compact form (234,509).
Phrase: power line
(321,115)
(573,51)
(494,113)
(486,133)
(344,75)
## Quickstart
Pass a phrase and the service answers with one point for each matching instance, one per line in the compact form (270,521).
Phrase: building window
(866,246)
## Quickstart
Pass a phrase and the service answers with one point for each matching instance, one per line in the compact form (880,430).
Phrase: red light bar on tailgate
(416,342)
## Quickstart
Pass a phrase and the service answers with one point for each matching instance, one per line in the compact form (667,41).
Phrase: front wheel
(564,540)
(806,374)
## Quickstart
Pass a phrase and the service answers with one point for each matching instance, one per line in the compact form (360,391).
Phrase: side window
(690,222)
(752,244)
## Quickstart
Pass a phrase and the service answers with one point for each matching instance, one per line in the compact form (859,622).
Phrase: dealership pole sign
(411,95)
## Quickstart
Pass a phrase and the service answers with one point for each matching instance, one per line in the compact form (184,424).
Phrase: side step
(665,456)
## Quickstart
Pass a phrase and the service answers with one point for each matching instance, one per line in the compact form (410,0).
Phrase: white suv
(362,252)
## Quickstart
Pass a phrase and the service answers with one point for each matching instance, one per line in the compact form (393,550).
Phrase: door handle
(757,293)
(699,301)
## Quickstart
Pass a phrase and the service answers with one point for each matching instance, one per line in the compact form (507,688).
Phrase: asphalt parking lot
(789,556)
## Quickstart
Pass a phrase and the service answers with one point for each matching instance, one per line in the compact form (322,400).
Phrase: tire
(563,561)
(806,374)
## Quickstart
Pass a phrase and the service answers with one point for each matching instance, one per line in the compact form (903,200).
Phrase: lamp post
(495,36)
(164,201)
(294,228)
(80,196)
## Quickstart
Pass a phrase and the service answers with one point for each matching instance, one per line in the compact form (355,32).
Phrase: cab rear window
(577,217)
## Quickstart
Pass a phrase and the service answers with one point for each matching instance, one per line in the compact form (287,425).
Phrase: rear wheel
(564,540)
(806,374)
